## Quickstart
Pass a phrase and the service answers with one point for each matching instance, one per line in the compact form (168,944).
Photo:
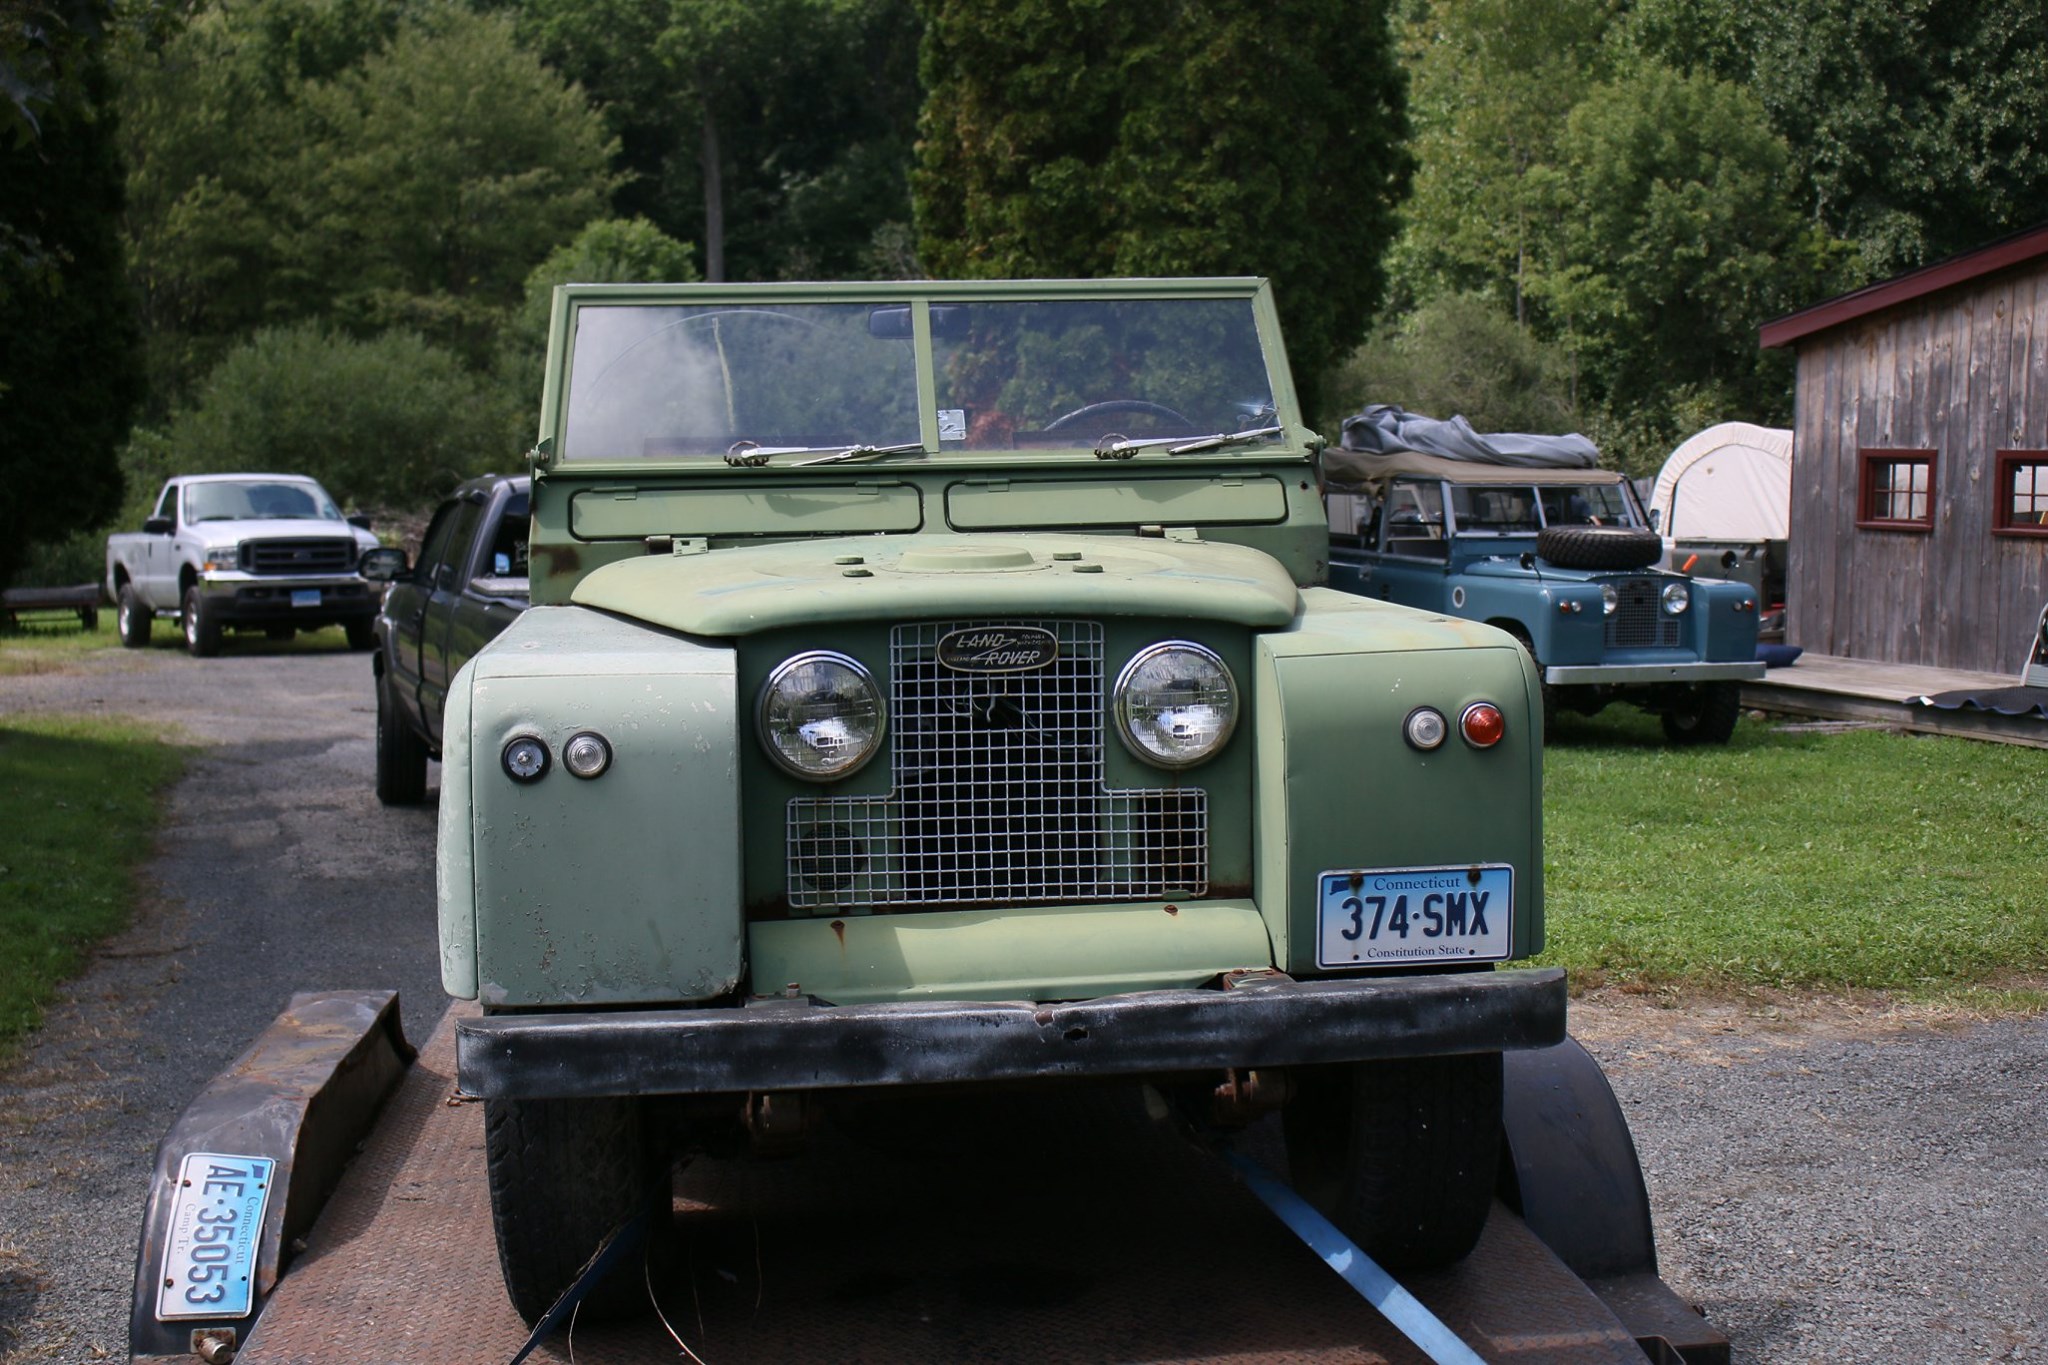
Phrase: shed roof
(2017,249)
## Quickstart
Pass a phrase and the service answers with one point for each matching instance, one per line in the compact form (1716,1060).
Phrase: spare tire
(1599,547)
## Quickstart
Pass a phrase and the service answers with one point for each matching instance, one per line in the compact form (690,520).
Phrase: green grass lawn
(1857,860)
(81,800)
(47,645)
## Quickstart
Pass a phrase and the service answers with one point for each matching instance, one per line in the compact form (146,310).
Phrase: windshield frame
(921,297)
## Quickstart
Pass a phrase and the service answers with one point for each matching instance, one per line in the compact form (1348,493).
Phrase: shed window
(1896,491)
(2022,493)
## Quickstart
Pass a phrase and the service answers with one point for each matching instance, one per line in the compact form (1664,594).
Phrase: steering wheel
(1107,406)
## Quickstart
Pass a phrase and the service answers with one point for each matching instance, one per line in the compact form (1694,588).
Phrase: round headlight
(1609,599)
(1677,597)
(525,759)
(1176,704)
(821,716)
(586,754)
(1425,728)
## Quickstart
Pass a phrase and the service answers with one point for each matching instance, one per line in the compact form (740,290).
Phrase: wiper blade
(1179,445)
(748,455)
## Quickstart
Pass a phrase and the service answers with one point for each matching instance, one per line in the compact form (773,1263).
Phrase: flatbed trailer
(1049,1226)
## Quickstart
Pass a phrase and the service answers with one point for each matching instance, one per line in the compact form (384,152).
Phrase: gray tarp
(1383,428)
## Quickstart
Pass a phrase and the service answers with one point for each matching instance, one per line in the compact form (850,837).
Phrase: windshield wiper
(1180,445)
(748,455)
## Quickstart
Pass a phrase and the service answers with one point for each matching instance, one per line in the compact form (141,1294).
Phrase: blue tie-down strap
(1359,1270)
(625,1239)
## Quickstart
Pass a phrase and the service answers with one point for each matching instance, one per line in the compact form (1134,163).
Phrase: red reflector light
(1483,725)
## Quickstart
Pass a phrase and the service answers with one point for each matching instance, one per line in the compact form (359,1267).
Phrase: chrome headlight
(1677,597)
(1176,704)
(221,558)
(1609,599)
(821,716)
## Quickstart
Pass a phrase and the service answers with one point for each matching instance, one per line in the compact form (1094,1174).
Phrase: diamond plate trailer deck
(1053,1226)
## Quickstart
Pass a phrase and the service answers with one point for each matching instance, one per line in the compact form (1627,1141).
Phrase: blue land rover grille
(297,556)
(998,794)
(1638,621)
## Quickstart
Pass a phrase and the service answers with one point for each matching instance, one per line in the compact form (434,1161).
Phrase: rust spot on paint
(560,558)
(839,931)
(1173,909)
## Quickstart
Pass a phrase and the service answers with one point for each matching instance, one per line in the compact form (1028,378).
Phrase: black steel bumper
(796,1045)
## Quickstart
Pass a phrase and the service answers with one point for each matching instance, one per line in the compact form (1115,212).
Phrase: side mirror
(385,564)
(158,526)
(361,521)
(1656,519)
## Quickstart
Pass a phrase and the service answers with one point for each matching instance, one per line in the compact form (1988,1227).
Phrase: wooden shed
(1919,520)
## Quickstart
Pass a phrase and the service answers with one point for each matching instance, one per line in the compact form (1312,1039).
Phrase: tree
(69,370)
(392,421)
(1075,137)
(1459,354)
(775,132)
(609,250)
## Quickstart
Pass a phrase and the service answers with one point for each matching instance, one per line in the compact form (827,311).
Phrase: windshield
(258,499)
(1038,375)
(1523,510)
(696,381)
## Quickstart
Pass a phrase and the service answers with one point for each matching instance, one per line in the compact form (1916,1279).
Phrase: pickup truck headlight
(1176,704)
(221,558)
(821,716)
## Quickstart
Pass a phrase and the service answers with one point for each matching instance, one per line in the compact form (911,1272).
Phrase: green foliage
(366,162)
(69,366)
(392,421)
(81,818)
(47,48)
(1861,860)
(1078,138)
(1458,354)
(775,133)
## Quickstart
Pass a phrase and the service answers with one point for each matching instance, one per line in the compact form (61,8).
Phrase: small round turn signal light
(1483,725)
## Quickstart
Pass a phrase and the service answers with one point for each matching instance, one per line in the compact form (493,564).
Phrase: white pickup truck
(268,552)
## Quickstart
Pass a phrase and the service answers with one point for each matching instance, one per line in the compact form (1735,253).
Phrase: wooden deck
(1831,688)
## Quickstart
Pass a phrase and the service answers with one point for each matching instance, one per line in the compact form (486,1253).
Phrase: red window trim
(1867,461)
(2001,493)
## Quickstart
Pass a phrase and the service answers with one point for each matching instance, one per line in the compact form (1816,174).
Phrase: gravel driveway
(1832,1183)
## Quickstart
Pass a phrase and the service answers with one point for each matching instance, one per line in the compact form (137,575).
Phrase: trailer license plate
(1406,915)
(210,1245)
(305,597)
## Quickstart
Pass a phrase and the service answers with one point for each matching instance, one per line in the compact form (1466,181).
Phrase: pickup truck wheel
(202,628)
(1599,547)
(563,1175)
(362,634)
(1401,1155)
(401,754)
(1706,714)
(131,618)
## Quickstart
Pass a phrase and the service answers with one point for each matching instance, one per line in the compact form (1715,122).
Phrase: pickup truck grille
(998,796)
(298,556)
(1638,622)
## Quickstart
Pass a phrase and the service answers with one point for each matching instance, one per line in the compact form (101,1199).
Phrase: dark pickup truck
(469,584)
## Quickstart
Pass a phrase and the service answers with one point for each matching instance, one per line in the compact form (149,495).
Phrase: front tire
(1401,1155)
(131,618)
(401,754)
(564,1174)
(202,627)
(1706,715)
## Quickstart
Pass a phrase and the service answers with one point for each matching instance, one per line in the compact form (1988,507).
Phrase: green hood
(745,591)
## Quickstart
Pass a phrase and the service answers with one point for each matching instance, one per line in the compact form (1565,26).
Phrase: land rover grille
(998,794)
(1637,621)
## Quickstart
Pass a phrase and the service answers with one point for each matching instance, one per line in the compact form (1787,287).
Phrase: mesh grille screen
(1638,622)
(999,795)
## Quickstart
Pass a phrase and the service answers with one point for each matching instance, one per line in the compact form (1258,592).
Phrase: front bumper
(254,599)
(1266,1021)
(1569,675)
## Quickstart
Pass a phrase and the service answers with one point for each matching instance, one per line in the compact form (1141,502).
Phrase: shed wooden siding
(1965,373)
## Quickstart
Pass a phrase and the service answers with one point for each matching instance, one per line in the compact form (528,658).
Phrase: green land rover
(933,684)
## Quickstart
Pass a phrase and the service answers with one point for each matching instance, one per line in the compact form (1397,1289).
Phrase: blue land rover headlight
(1176,704)
(1677,597)
(820,716)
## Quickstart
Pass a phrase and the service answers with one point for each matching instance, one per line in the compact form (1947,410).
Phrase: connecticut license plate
(216,1223)
(305,597)
(1391,917)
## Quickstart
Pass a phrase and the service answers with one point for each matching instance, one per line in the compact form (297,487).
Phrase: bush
(1457,355)
(389,421)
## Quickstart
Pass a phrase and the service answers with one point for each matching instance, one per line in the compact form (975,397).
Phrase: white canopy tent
(1731,482)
